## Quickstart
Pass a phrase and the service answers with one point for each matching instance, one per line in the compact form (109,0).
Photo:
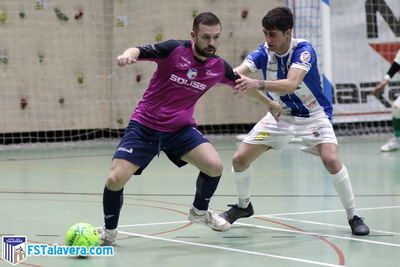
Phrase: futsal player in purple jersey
(163,120)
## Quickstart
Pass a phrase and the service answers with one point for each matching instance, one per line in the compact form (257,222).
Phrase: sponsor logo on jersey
(305,57)
(191,74)
(183,81)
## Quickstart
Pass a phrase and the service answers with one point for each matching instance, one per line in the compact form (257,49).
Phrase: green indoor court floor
(298,218)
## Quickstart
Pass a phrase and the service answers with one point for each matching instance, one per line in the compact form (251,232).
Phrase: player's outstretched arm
(242,69)
(394,68)
(129,56)
(380,87)
(294,79)
(273,106)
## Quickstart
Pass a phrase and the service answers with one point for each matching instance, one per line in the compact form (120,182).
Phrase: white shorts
(313,131)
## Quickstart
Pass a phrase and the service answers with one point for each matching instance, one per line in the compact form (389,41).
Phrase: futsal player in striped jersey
(163,120)
(291,77)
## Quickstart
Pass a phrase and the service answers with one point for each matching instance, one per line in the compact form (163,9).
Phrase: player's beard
(206,52)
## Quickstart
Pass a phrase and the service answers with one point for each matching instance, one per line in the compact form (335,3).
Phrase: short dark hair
(279,18)
(206,18)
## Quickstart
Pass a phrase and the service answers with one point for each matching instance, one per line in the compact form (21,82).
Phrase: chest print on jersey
(191,74)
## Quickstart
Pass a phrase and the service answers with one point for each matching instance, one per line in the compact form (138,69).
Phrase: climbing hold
(120,121)
(41,57)
(80,79)
(3,16)
(61,101)
(22,14)
(159,36)
(3,59)
(245,13)
(60,15)
(23,102)
(39,4)
(138,78)
(122,21)
(194,13)
(79,14)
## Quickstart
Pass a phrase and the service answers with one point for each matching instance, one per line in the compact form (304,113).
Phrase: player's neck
(285,48)
(197,56)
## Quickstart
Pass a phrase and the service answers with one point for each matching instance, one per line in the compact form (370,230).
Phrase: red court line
(338,251)
(331,244)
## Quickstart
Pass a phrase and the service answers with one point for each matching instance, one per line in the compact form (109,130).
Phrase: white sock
(198,212)
(243,182)
(342,184)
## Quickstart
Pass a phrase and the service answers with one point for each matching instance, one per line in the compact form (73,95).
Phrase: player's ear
(193,34)
(288,33)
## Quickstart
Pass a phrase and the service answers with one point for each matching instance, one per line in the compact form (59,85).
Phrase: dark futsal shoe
(358,227)
(235,212)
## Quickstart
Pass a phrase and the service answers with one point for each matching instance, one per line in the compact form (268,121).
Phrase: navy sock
(112,204)
(205,188)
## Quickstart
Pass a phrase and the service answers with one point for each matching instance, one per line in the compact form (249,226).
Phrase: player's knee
(331,162)
(239,163)
(115,182)
(215,169)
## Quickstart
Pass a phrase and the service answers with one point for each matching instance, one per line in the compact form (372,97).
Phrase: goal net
(365,36)
(59,80)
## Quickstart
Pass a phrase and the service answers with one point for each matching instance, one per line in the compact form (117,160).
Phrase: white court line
(282,230)
(319,223)
(318,234)
(151,224)
(231,249)
(328,211)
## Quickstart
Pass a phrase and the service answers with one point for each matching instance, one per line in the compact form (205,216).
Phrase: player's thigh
(123,168)
(138,146)
(319,131)
(205,158)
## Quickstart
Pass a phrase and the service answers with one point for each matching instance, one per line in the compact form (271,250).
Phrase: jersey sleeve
(157,51)
(257,60)
(304,57)
(230,76)
(395,67)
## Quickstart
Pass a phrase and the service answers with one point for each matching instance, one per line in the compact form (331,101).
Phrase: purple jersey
(178,82)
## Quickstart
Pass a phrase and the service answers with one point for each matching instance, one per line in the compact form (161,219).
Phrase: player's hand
(276,110)
(378,90)
(124,60)
(245,83)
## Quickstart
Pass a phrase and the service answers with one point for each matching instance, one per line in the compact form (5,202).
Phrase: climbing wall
(58,59)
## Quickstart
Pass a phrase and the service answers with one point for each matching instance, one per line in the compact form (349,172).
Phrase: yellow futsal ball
(83,235)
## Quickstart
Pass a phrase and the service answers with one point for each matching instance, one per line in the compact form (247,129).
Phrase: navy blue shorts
(140,144)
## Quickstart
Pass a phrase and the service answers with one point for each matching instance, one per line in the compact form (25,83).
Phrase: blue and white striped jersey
(308,99)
